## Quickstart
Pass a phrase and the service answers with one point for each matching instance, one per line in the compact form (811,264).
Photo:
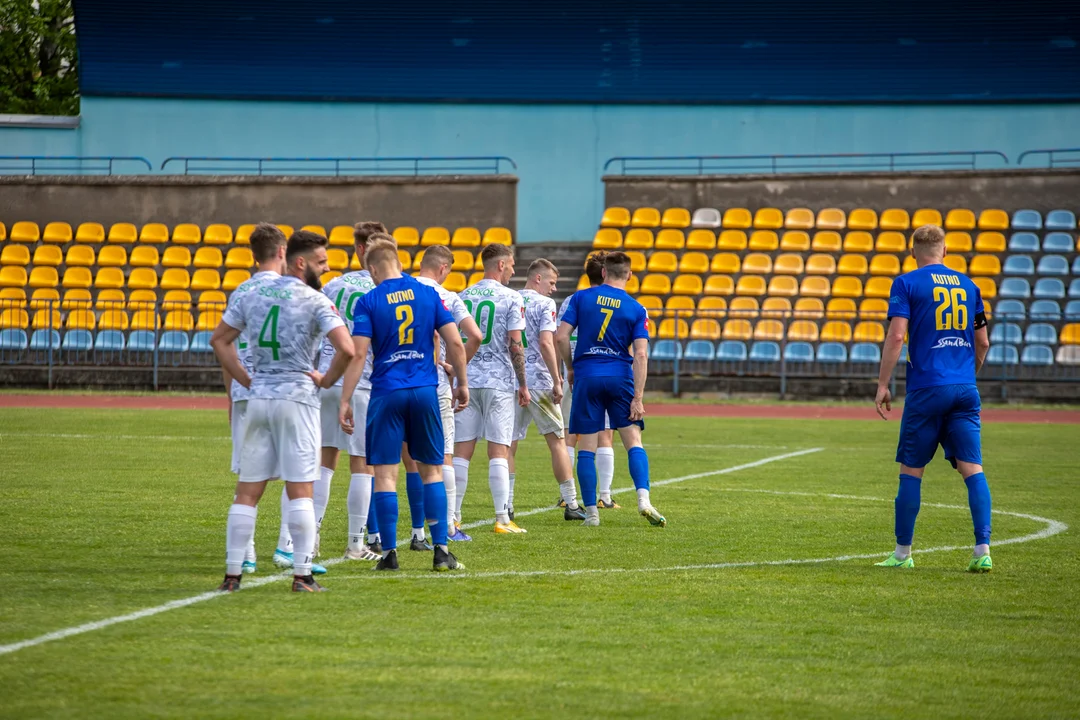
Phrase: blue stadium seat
(765,351)
(1076,266)
(666,350)
(173,341)
(200,342)
(1006,333)
(866,353)
(141,341)
(699,350)
(1024,242)
(1072,311)
(831,352)
(1045,310)
(78,341)
(1041,334)
(1060,220)
(12,339)
(1002,354)
(1026,220)
(1053,265)
(799,352)
(1014,287)
(1051,288)
(109,341)
(1037,355)
(1009,310)
(1074,288)
(731,351)
(41,338)
(1058,242)
(1019,265)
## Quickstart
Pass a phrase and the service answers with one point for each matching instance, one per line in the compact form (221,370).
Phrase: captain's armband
(980,320)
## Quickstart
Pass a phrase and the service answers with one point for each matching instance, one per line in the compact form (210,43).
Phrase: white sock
(239,530)
(605,471)
(902,552)
(981,550)
(643,499)
(461,479)
(249,554)
(499,482)
(359,504)
(592,511)
(450,483)
(568,493)
(302,527)
(418,533)
(570,451)
(321,491)
(510,498)
(284,539)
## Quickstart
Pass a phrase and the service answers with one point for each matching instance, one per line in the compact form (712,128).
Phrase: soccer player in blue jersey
(398,320)
(941,312)
(607,376)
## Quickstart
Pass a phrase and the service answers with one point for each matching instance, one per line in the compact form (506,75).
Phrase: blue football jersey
(608,321)
(401,317)
(941,306)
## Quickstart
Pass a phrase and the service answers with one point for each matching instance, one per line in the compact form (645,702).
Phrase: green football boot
(893,561)
(981,564)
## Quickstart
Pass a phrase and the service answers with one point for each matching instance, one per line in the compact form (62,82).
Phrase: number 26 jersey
(497,310)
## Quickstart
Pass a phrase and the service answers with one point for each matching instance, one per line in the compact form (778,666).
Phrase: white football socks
(239,530)
(302,527)
(449,480)
(461,479)
(902,552)
(359,504)
(568,493)
(605,471)
(284,540)
(510,497)
(499,482)
(321,491)
(643,499)
(983,549)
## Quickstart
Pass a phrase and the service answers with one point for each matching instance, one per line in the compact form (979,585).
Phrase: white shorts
(239,408)
(281,439)
(332,434)
(543,411)
(446,410)
(490,415)
(566,400)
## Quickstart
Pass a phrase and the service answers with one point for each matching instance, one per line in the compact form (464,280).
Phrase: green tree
(38,58)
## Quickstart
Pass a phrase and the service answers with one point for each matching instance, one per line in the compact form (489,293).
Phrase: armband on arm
(980,320)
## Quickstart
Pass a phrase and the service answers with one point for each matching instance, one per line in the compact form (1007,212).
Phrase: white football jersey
(345,291)
(573,333)
(497,310)
(539,317)
(284,321)
(243,344)
(457,308)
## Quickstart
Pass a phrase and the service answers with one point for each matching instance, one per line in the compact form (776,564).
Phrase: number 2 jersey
(539,317)
(283,321)
(608,321)
(943,308)
(497,310)
(345,292)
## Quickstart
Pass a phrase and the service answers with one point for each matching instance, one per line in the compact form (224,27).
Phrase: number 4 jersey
(345,292)
(944,308)
(497,310)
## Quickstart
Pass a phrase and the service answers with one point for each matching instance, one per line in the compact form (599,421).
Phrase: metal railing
(830,162)
(68,164)
(1055,157)
(339,166)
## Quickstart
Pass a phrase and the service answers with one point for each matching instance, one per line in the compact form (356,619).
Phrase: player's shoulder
(359,279)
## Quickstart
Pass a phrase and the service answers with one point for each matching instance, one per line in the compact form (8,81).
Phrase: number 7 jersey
(608,321)
(497,310)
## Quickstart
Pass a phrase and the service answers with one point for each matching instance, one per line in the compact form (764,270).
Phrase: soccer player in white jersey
(345,292)
(434,269)
(605,449)
(544,381)
(288,318)
(495,372)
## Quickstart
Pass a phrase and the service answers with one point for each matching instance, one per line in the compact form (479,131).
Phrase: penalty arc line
(259,582)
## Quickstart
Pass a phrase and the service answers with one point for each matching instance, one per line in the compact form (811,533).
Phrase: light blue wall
(559,149)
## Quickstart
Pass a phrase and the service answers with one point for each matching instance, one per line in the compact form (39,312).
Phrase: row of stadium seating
(835,219)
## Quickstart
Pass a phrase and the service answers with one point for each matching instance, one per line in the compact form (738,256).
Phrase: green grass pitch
(108,512)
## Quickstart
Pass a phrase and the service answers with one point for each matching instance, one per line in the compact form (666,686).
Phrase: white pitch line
(87,436)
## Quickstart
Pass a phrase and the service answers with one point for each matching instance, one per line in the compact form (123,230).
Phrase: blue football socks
(435,504)
(386,508)
(414,488)
(979,502)
(586,472)
(639,467)
(908,499)
(372,517)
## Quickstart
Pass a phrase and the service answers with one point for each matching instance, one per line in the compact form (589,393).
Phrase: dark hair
(617,265)
(435,256)
(265,240)
(494,252)
(302,242)
(594,267)
(364,229)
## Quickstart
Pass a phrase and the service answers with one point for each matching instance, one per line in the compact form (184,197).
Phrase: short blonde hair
(380,252)
(927,240)
(540,265)
(493,253)
(435,256)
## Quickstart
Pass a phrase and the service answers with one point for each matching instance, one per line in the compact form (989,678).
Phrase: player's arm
(473,336)
(456,357)
(517,361)
(551,359)
(359,350)
(343,355)
(890,355)
(982,346)
(224,343)
(562,343)
(641,373)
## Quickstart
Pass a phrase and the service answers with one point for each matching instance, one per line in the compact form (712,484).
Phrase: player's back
(243,343)
(943,308)
(345,291)
(540,315)
(608,321)
(497,310)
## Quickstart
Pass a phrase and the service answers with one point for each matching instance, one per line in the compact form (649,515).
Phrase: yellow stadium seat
(809,307)
(337,259)
(873,309)
(406,236)
(958,242)
(607,239)
(803,330)
(212,300)
(145,319)
(746,307)
(885,264)
(731,240)
(878,287)
(638,239)
(826,241)
(44,299)
(208,320)
(208,257)
(616,217)
(990,242)
(317,229)
(836,331)
(663,262)
(176,257)
(694,262)
(869,332)
(176,300)
(678,305)
(987,287)
(45,319)
(15,255)
(960,219)
(124,233)
(1070,334)
(143,256)
(737,218)
(670,240)
(3,232)
(656,285)
(985,265)
(465,237)
(287,230)
(179,320)
(821,264)
(455,282)
(895,219)
(90,232)
(12,298)
(328,276)
(243,234)
(852,264)
(719,285)
(187,234)
(404,258)
(769,330)
(858,241)
(956,262)
(769,219)
(687,285)
(638,262)
(44,277)
(738,330)
(25,231)
(750,285)
(776,307)
(649,302)
(340,236)
(435,236)
(757,264)
(909,264)
(840,309)
(77,299)
(112,256)
(814,286)
(799,219)
(645,217)
(582,283)
(463,261)
(784,286)
(795,241)
(218,234)
(205,280)
(57,232)
(109,278)
(831,219)
(764,240)
(705,329)
(171,279)
(77,277)
(672,328)
(712,307)
(701,240)
(925,216)
(113,319)
(497,236)
(862,219)
(847,287)
(789,264)
(155,233)
(354,262)
(142,300)
(993,220)
(891,241)
(239,258)
(675,218)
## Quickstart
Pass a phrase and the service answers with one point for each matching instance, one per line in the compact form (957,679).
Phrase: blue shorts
(946,415)
(409,415)
(598,398)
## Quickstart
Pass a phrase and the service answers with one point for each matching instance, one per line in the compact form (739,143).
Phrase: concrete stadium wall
(479,201)
(560,149)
